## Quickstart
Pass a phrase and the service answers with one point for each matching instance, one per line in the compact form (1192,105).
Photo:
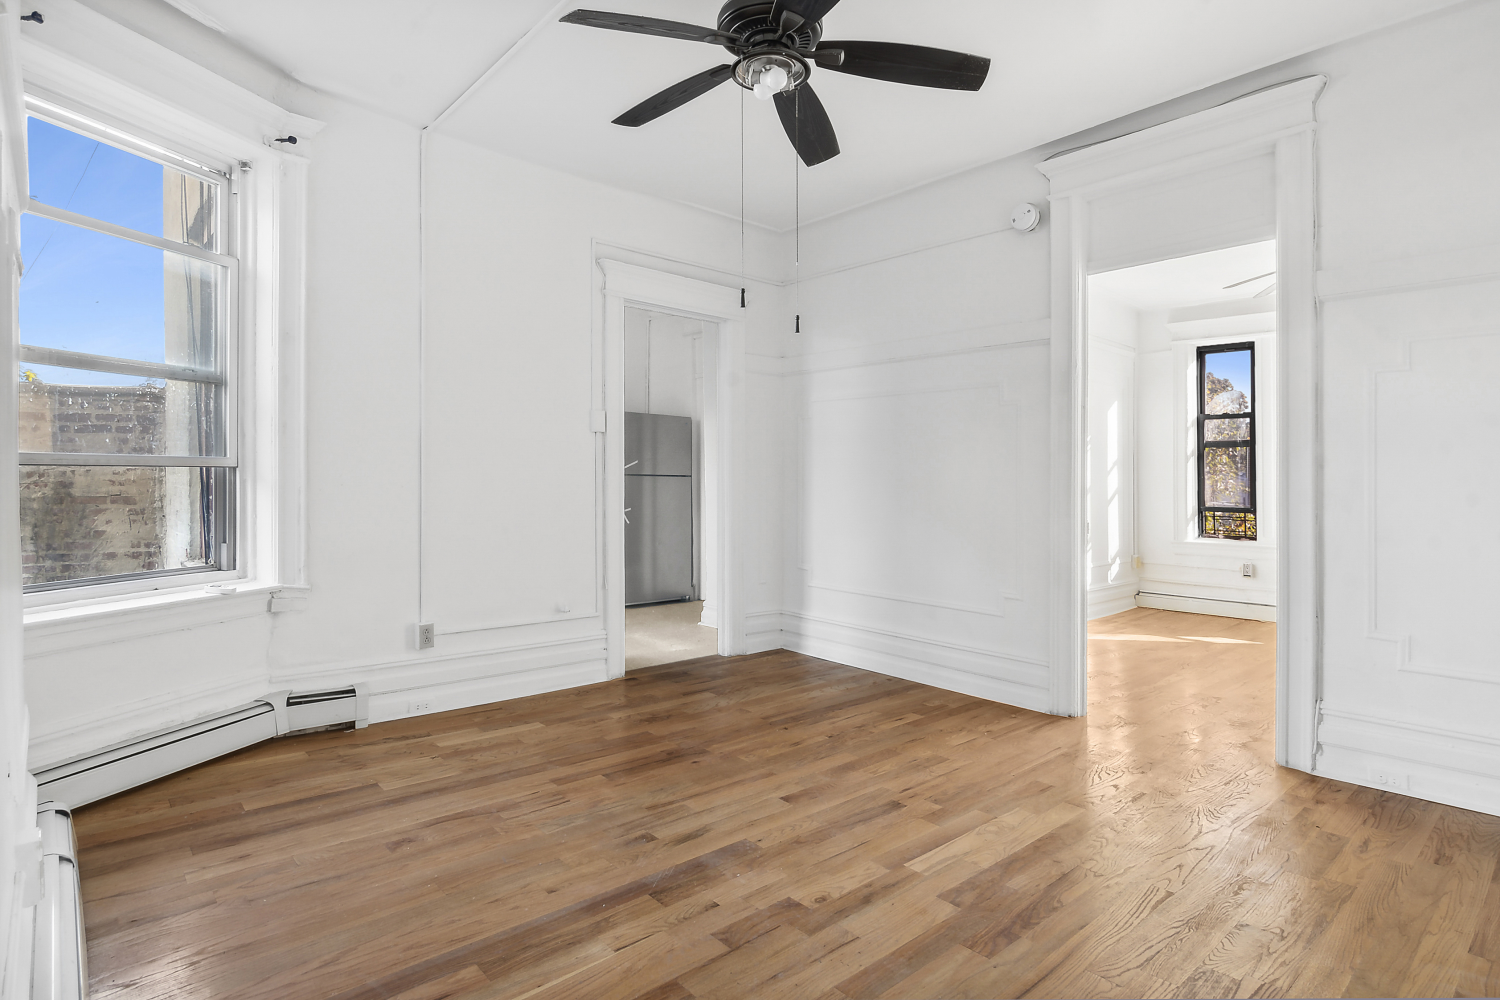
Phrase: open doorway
(668,601)
(1181,464)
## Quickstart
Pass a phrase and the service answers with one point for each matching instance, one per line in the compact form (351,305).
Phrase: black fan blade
(648,26)
(808,10)
(913,64)
(675,96)
(807,125)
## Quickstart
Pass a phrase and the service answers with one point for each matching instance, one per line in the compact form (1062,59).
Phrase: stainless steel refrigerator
(659,508)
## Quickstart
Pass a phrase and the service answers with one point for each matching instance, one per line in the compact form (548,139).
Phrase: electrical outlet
(418,707)
(1247,569)
(1390,779)
(426,635)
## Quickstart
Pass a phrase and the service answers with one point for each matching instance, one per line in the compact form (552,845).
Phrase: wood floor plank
(780,826)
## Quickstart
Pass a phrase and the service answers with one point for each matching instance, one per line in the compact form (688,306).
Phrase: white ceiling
(1191,281)
(1060,66)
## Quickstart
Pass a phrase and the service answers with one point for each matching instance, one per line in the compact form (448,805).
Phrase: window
(1226,441)
(127,399)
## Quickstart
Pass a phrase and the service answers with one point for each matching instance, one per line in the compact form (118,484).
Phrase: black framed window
(1226,441)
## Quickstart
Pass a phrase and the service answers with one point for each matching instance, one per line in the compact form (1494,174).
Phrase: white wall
(451,478)
(663,364)
(1112,445)
(1411,339)
(920,392)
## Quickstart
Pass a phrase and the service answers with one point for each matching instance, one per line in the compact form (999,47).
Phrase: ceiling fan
(1269,289)
(775,46)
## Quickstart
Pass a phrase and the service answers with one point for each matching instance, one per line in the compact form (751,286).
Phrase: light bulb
(774,77)
(762,91)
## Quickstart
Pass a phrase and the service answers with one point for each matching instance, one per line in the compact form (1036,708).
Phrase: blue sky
(1235,366)
(82,290)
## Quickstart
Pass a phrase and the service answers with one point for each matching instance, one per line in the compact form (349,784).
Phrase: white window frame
(227,366)
(227,126)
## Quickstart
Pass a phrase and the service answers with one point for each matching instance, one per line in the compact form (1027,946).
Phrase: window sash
(225,546)
(56,114)
(59,358)
(126,233)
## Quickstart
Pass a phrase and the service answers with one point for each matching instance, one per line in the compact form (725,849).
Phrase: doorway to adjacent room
(669,607)
(1180,470)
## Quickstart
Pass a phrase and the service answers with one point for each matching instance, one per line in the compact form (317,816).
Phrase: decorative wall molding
(386,676)
(908,599)
(1444,765)
(1222,134)
(998,336)
(1402,641)
(487,687)
(1409,273)
(1003,677)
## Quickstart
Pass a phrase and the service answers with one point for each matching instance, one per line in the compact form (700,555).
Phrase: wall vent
(141,759)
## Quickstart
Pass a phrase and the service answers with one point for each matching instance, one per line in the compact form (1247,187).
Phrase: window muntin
(1226,441)
(127,430)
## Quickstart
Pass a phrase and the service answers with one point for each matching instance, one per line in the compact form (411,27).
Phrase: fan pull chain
(743,283)
(797,210)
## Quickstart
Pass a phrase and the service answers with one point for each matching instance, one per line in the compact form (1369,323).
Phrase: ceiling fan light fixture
(767,74)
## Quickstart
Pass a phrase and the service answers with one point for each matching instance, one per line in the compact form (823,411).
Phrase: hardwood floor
(780,826)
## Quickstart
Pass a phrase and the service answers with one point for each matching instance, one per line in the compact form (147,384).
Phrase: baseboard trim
(1440,765)
(1111,599)
(763,632)
(1207,606)
(984,674)
(452,695)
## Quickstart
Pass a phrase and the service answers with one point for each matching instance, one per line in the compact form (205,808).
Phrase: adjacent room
(668,614)
(768,498)
(1181,461)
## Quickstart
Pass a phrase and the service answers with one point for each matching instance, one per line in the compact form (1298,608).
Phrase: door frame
(630,285)
(1281,121)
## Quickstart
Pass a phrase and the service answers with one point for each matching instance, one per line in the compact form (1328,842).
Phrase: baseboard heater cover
(59,957)
(142,759)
